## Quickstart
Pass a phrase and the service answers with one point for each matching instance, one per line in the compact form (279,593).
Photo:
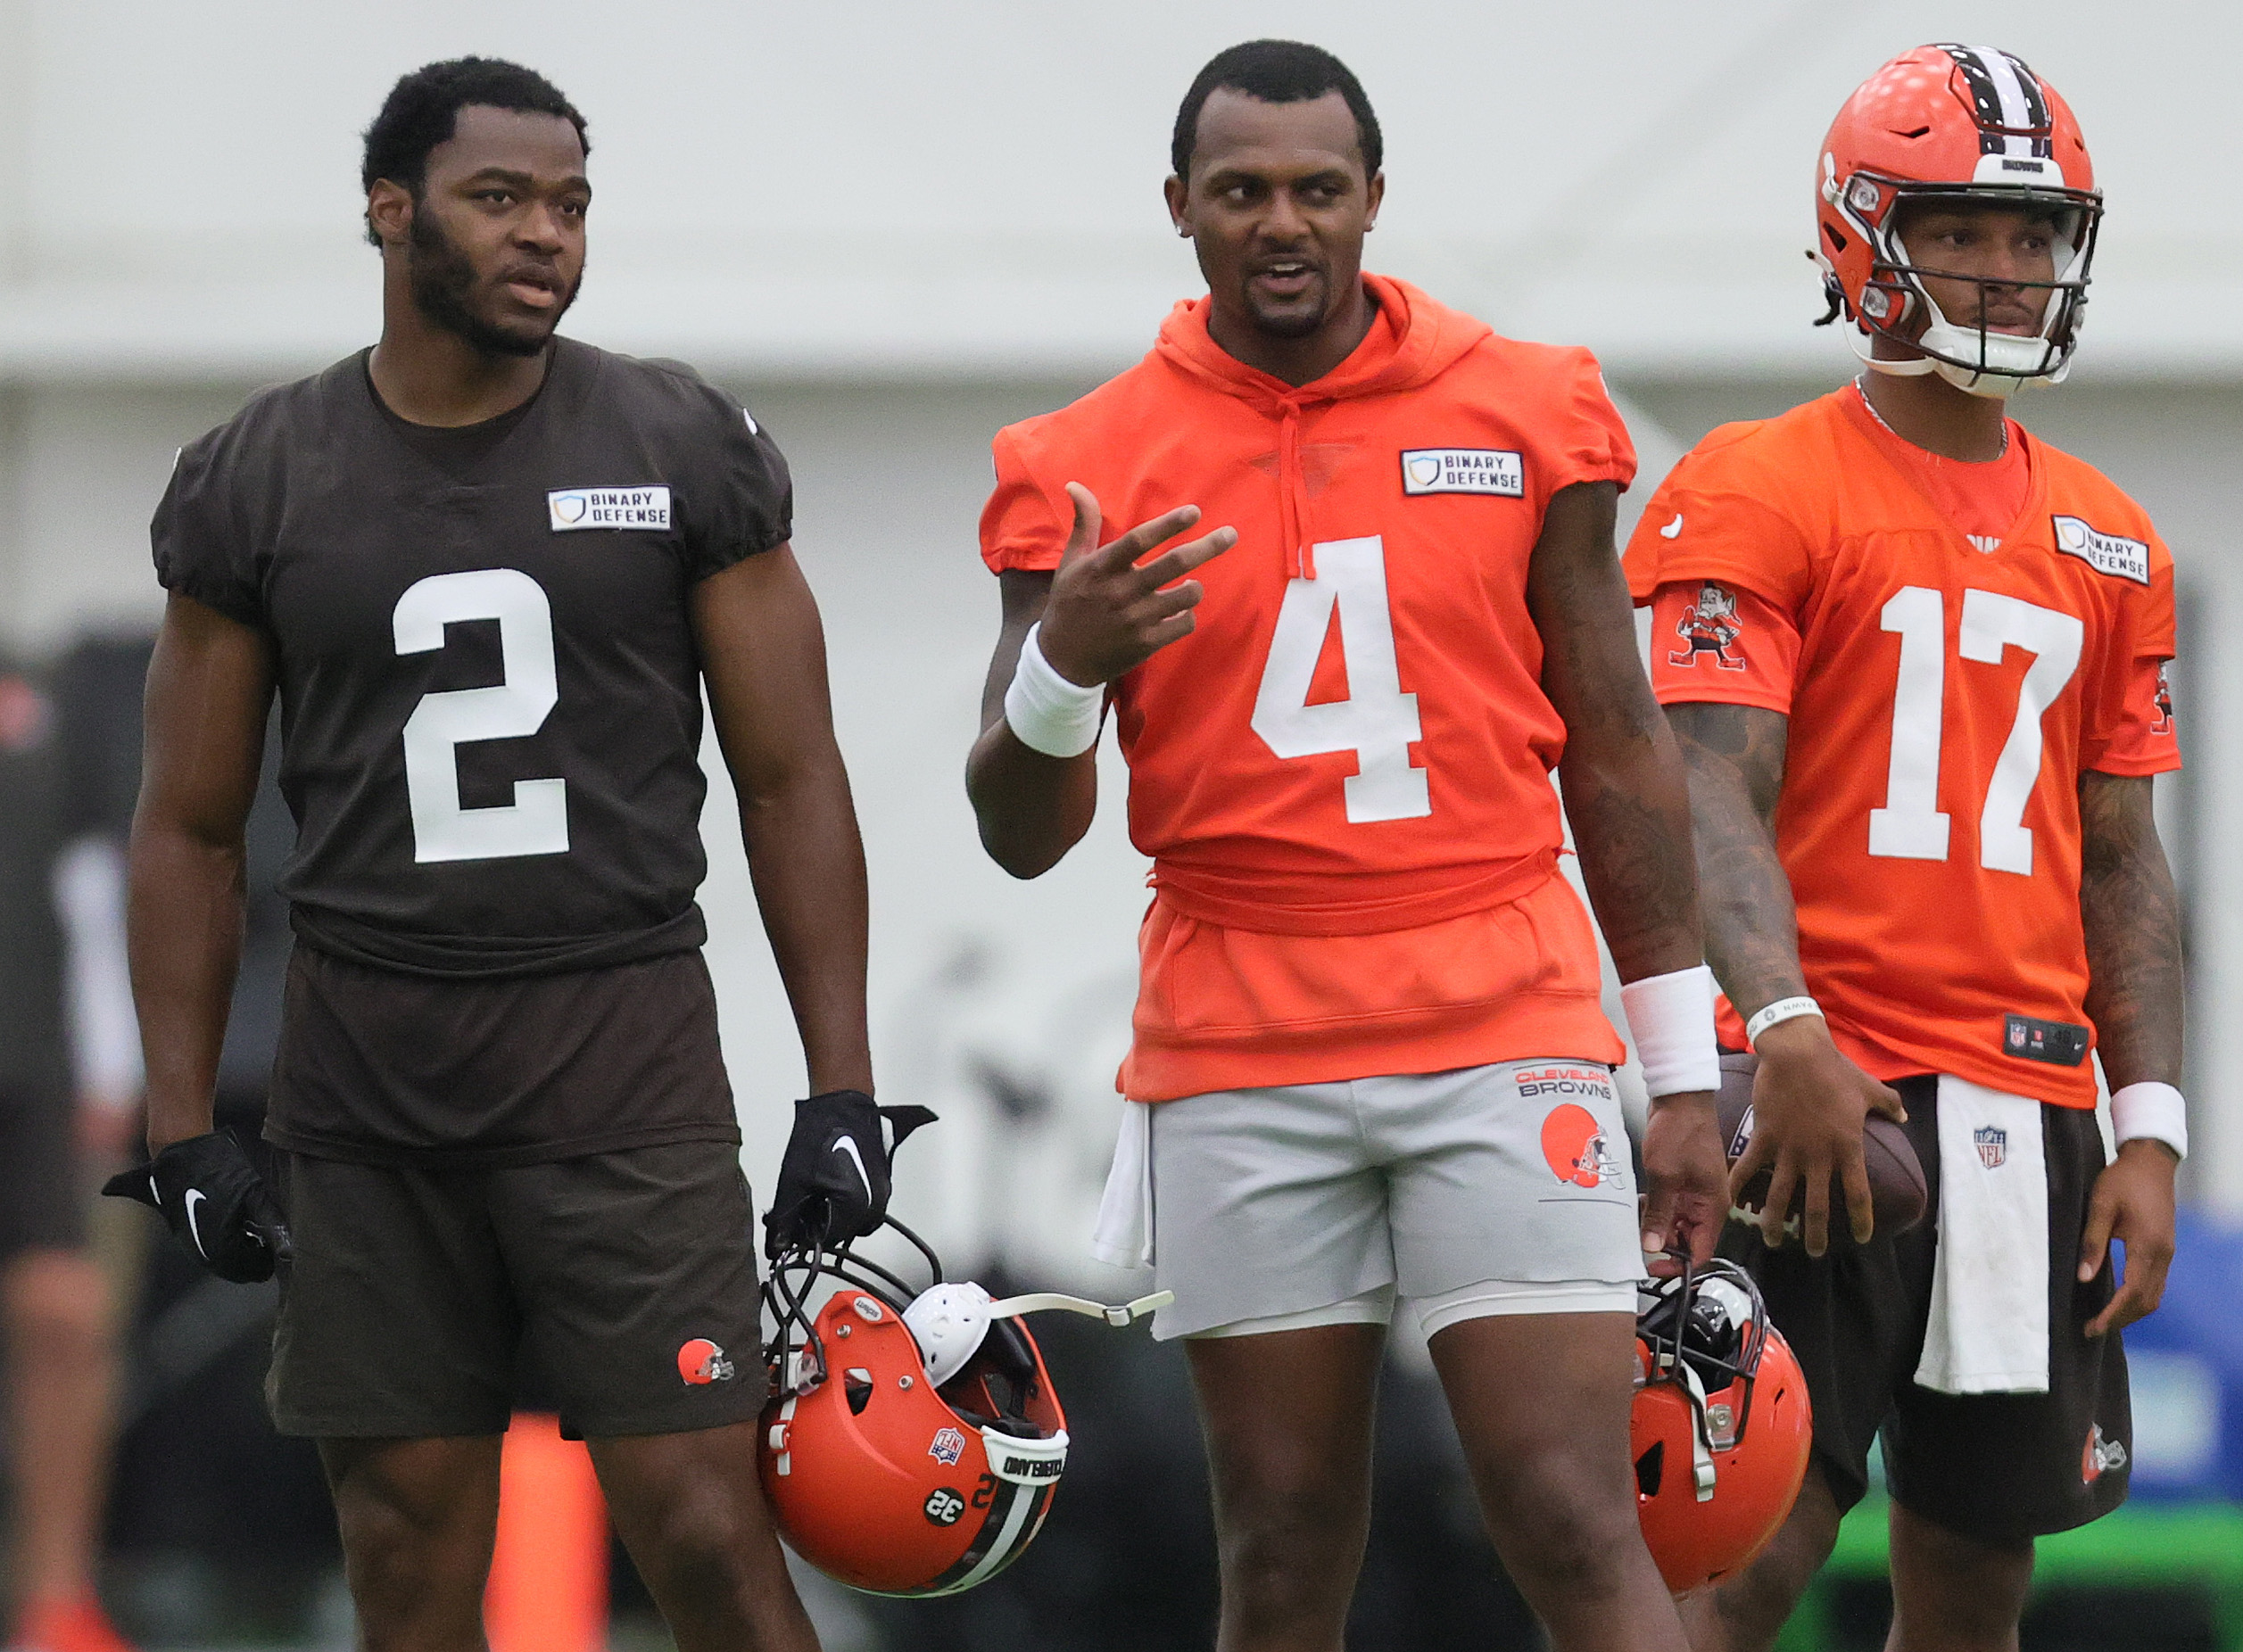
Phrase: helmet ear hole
(1649,1468)
(1009,1351)
(857,1388)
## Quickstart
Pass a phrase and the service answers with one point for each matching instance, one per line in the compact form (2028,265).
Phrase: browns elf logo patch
(1708,625)
(2163,701)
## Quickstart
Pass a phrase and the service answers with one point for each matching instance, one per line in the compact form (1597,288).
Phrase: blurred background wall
(894,228)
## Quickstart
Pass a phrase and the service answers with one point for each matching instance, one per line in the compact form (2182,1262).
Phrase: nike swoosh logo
(1672,529)
(848,1144)
(195,1196)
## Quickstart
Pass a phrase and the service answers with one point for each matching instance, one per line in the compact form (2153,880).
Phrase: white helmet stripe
(2007,95)
(2010,95)
(1016,1517)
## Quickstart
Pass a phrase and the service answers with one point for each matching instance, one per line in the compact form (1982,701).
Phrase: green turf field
(2194,1546)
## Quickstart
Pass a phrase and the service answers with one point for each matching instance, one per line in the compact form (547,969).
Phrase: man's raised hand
(1108,612)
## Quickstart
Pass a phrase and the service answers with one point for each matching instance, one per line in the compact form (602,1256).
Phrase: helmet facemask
(1973,358)
(1704,1332)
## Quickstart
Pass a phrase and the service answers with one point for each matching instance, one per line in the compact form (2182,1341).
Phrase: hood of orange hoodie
(1429,339)
(1412,341)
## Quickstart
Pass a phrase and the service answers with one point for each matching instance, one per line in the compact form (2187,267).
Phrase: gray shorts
(1499,1189)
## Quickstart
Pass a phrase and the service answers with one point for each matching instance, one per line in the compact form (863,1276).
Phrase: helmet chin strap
(1993,386)
(1989,383)
(951,1320)
(1116,1316)
(1865,348)
(1700,1432)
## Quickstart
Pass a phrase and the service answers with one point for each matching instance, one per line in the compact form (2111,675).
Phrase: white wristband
(1782,1010)
(2150,1110)
(1672,1018)
(1051,714)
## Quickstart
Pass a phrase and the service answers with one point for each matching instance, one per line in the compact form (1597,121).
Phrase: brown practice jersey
(1946,686)
(491,724)
(491,709)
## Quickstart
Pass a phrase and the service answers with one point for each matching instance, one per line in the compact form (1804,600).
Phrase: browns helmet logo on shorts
(2099,1455)
(700,1361)
(1575,1145)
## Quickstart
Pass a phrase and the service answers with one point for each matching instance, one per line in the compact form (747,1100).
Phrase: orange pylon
(548,1571)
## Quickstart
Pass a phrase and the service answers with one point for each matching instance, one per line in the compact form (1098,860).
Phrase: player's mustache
(543,275)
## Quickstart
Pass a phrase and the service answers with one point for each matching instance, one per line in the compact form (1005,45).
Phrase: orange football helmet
(1958,124)
(914,1440)
(1721,1426)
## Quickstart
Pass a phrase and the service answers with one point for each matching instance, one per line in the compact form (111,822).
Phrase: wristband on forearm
(1671,1016)
(2151,1110)
(1782,1010)
(1048,713)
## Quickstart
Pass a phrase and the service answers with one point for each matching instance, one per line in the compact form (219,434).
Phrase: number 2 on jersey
(1911,826)
(1377,721)
(536,822)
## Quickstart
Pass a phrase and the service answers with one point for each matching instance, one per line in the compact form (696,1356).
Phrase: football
(1897,1192)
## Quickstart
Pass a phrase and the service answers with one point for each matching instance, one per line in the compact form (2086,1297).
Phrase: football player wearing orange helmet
(1933,882)
(1369,1059)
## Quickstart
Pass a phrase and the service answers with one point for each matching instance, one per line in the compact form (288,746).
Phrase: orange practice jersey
(1944,697)
(1342,775)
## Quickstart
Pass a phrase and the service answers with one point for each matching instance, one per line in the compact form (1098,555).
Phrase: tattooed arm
(2132,922)
(1629,805)
(1622,777)
(1735,755)
(1808,1101)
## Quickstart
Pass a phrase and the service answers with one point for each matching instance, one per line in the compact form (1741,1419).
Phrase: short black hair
(424,106)
(1276,71)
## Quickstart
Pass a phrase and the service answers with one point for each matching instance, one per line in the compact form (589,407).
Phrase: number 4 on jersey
(1377,721)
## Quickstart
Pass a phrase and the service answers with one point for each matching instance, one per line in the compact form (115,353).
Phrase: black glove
(206,1188)
(833,1184)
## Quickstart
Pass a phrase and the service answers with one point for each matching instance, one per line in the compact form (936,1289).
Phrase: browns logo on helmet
(1720,1428)
(1962,126)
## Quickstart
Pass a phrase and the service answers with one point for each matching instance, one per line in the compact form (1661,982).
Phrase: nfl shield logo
(948,1447)
(2017,1034)
(1993,1146)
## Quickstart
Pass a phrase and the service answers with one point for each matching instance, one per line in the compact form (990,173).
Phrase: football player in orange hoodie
(1368,1060)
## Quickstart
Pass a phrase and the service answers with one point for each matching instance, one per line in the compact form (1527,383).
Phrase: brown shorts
(1997,1468)
(618,1287)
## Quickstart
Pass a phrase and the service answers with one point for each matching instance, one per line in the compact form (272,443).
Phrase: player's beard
(443,277)
(1292,323)
(1295,325)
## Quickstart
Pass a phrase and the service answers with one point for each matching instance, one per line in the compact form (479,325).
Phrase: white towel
(1124,1234)
(1988,1332)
